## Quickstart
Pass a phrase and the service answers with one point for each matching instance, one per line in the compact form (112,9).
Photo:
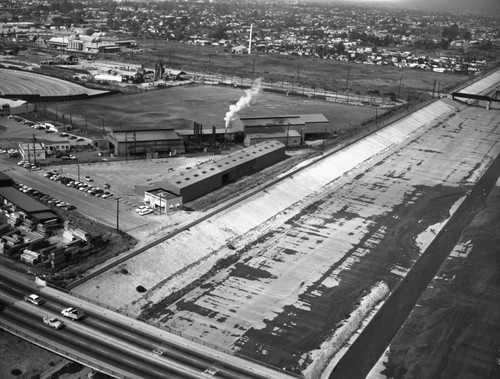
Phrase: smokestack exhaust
(243,102)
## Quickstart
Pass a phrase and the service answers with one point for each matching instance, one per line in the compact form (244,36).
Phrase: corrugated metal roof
(219,166)
(44,216)
(249,122)
(145,135)
(248,154)
(205,131)
(283,120)
(279,134)
(192,176)
(310,118)
(23,201)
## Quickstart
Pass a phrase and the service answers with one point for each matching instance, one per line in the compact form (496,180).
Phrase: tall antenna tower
(250,40)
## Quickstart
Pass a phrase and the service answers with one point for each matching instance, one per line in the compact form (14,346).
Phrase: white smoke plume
(243,102)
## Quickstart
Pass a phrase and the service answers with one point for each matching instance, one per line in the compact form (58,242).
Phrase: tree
(451,33)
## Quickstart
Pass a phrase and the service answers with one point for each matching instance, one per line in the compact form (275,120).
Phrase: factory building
(286,129)
(200,137)
(207,177)
(144,143)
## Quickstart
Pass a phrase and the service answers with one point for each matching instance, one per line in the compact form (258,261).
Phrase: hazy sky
(473,5)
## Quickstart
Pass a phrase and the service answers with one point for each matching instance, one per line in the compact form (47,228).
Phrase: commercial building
(144,143)
(159,198)
(284,128)
(51,147)
(207,177)
(32,152)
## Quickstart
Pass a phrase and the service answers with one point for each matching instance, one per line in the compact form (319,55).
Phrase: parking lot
(108,195)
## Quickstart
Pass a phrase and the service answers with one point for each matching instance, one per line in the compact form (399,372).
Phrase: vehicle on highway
(34,299)
(53,322)
(73,313)
(144,212)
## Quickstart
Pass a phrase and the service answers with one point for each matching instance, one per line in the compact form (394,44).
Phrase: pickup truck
(73,313)
(53,322)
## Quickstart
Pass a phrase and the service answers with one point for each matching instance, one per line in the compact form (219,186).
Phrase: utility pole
(253,67)
(118,214)
(78,166)
(400,83)
(347,81)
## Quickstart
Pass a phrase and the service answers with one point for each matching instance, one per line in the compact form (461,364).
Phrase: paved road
(112,343)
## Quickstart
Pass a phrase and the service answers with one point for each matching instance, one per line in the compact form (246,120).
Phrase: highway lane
(108,341)
(72,338)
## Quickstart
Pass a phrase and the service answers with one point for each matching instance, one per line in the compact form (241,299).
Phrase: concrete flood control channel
(370,345)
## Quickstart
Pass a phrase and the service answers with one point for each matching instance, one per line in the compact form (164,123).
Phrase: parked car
(141,208)
(34,299)
(88,178)
(144,212)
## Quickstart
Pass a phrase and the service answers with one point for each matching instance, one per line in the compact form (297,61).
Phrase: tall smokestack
(250,40)
(243,102)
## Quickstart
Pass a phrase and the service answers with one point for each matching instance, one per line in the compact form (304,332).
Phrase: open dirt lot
(316,248)
(179,107)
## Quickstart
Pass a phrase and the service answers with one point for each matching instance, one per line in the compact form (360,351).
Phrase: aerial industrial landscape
(161,218)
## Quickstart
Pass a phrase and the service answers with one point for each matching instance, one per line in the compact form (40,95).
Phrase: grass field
(333,75)
(179,107)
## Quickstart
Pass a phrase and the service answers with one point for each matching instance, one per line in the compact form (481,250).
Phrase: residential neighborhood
(413,39)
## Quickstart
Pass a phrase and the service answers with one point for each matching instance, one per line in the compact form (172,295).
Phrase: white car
(34,299)
(73,313)
(143,212)
(141,208)
(53,322)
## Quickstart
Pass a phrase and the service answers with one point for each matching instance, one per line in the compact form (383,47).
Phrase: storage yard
(316,253)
